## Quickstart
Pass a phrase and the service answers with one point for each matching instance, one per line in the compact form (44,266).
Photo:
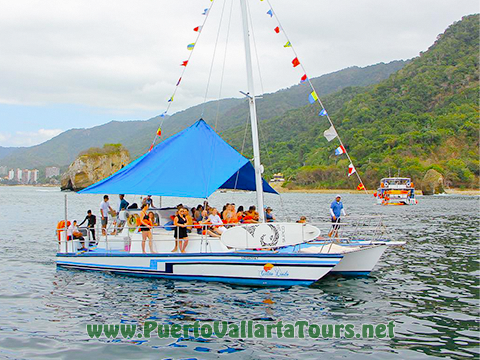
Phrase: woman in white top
(216,221)
(73,233)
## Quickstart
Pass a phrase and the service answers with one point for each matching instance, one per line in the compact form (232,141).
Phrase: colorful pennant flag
(360,187)
(190,46)
(163,114)
(205,12)
(171,99)
(178,82)
(270,12)
(277,29)
(312,97)
(340,150)
(351,170)
(330,133)
(303,78)
(322,112)
(151,147)
(198,28)
(288,44)
(295,62)
(184,63)
(159,132)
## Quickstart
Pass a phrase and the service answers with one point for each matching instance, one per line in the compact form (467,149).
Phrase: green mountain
(136,136)
(423,116)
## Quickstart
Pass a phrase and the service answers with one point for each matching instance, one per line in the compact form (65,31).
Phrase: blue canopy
(193,163)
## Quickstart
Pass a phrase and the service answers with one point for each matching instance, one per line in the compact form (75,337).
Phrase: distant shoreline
(453,191)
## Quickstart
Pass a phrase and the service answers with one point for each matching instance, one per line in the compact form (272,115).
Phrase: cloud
(27,138)
(110,55)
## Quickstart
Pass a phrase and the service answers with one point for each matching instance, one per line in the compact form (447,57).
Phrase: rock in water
(94,165)
(432,183)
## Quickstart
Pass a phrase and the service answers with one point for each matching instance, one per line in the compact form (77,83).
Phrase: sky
(82,63)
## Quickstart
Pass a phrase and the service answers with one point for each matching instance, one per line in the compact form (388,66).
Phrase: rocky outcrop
(432,183)
(94,165)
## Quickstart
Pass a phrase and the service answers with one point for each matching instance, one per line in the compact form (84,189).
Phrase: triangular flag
(303,78)
(198,28)
(151,147)
(360,187)
(163,114)
(312,97)
(288,44)
(351,170)
(205,12)
(295,62)
(270,12)
(340,150)
(171,99)
(330,133)
(178,82)
(159,132)
(322,112)
(184,63)
(190,46)
(277,29)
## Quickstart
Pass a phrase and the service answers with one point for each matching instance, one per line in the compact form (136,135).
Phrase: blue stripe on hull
(350,273)
(229,280)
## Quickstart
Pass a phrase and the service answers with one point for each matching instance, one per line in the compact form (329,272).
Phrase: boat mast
(253,113)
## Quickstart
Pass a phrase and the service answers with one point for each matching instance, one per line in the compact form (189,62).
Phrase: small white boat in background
(396,191)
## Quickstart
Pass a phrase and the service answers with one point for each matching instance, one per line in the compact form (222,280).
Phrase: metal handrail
(369,229)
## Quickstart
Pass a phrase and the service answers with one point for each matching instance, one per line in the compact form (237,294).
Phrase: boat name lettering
(275,272)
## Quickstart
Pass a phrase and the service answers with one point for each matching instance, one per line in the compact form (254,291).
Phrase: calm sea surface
(430,288)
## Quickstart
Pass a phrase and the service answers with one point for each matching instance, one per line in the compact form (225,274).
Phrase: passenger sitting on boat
(149,201)
(229,215)
(302,220)
(198,213)
(207,230)
(268,215)
(240,214)
(251,216)
(216,221)
(224,211)
(180,232)
(145,228)
(73,233)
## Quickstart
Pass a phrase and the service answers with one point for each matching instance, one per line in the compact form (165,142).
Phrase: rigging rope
(313,89)
(213,59)
(223,65)
(169,103)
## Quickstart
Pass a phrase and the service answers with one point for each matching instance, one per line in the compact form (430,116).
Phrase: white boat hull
(359,258)
(247,268)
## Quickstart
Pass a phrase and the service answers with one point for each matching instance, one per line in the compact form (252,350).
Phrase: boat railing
(352,228)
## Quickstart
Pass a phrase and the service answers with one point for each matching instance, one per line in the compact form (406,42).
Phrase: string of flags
(331,133)
(190,47)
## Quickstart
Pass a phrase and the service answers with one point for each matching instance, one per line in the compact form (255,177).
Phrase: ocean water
(429,288)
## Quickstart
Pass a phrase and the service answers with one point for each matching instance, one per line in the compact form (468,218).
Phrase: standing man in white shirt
(104,208)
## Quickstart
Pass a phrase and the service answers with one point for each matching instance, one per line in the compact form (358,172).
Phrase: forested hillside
(423,116)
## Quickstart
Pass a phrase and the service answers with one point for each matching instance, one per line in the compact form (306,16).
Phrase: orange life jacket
(61,227)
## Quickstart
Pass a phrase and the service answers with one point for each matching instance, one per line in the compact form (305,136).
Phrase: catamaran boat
(266,254)
(396,191)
